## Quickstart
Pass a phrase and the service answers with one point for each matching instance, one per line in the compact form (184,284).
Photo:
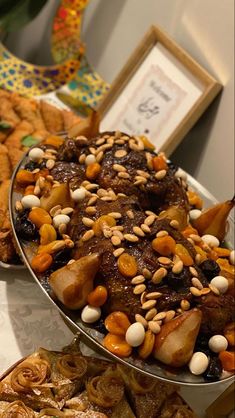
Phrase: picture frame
(160,92)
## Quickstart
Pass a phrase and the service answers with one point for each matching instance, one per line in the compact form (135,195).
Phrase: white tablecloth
(28,320)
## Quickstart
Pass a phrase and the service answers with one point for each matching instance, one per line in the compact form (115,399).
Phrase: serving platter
(149,367)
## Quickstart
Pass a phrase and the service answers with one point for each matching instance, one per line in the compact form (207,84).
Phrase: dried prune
(179,281)
(61,258)
(31,165)
(202,344)
(210,269)
(25,228)
(214,370)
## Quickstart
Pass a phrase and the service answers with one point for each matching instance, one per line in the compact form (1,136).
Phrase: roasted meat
(157,195)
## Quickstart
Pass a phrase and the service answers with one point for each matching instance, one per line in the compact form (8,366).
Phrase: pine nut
(159,316)
(115,215)
(154,327)
(67,211)
(138,289)
(147,273)
(149,213)
(214,289)
(193,271)
(118,252)
(164,260)
(198,259)
(131,237)
(18,206)
(138,231)
(145,228)
(62,229)
(120,153)
(118,234)
(99,156)
(115,240)
(161,234)
(153,295)
(92,200)
(143,174)
(174,224)
(143,298)
(124,175)
(138,279)
(100,141)
(82,158)
(195,237)
(205,290)
(140,318)
(151,314)
(54,210)
(130,214)
(195,291)
(160,174)
(88,235)
(91,210)
(196,283)
(69,243)
(178,267)
(149,304)
(37,190)
(159,275)
(91,186)
(149,220)
(119,168)
(185,305)
(87,222)
(169,316)
(50,164)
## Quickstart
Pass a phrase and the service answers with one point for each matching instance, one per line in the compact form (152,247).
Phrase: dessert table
(28,320)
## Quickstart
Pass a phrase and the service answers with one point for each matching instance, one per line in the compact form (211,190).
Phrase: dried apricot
(39,217)
(227,359)
(98,296)
(147,143)
(47,234)
(222,252)
(42,173)
(102,222)
(183,254)
(41,262)
(117,344)
(200,251)
(229,333)
(117,323)
(29,190)
(93,170)
(159,163)
(54,141)
(25,177)
(146,348)
(127,265)
(189,230)
(164,245)
(194,199)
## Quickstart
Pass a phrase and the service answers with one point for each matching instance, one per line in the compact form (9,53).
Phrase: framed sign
(160,92)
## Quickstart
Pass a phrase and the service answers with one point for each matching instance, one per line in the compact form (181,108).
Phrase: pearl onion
(218,343)
(221,283)
(78,194)
(90,159)
(90,314)
(135,334)
(194,214)
(210,240)
(35,154)
(198,363)
(181,174)
(30,201)
(232,257)
(60,219)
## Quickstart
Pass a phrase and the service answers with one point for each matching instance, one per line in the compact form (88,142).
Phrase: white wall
(205,28)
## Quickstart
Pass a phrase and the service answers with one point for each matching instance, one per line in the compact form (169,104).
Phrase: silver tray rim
(197,383)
